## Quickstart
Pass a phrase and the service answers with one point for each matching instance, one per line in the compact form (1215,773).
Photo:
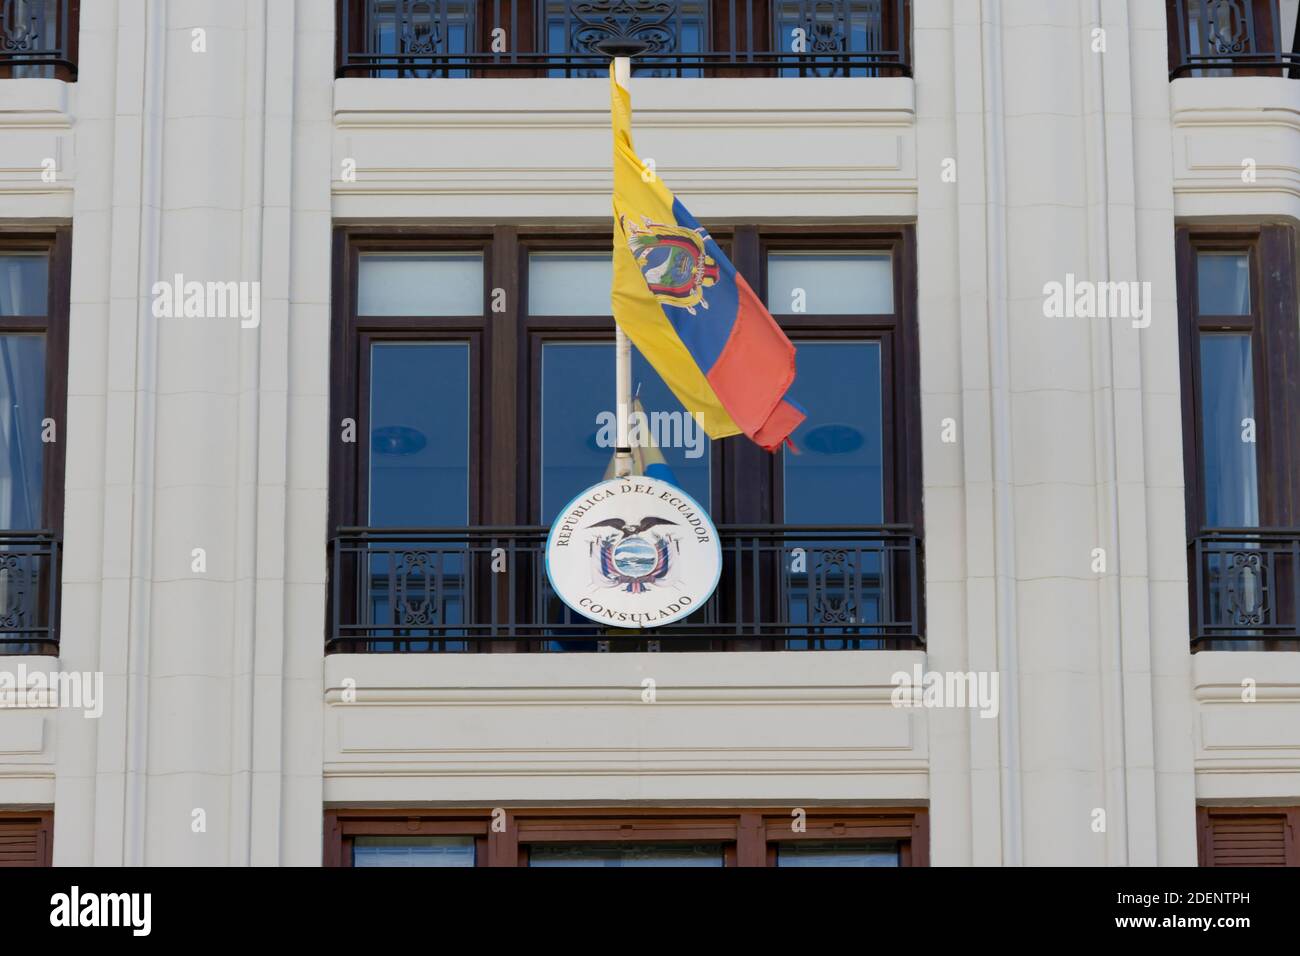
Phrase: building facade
(306,341)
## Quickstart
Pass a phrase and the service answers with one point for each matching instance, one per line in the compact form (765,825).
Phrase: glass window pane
(578,434)
(419,434)
(566,283)
(1227,399)
(838,475)
(825,283)
(837,853)
(625,854)
(24,281)
(1223,283)
(413,851)
(22,407)
(426,284)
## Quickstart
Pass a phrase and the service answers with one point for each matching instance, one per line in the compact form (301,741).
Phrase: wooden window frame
(40,823)
(56,244)
(506,380)
(1275,366)
(1206,818)
(749,835)
(351,336)
(505,375)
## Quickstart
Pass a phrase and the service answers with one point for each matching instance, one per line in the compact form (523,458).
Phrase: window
(1230,38)
(26,838)
(1240,347)
(33,399)
(406,374)
(846,853)
(561,38)
(626,854)
(38,39)
(1248,836)
(476,368)
(448,851)
(597,837)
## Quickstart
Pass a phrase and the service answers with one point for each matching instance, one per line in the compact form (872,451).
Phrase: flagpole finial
(622,46)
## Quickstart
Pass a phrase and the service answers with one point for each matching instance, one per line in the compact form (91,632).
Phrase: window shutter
(1248,836)
(25,839)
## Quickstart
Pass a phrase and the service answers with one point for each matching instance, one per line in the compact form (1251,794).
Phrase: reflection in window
(823,283)
(626,854)
(850,26)
(425,284)
(441,28)
(24,282)
(837,479)
(419,434)
(840,853)
(577,387)
(569,33)
(838,476)
(413,851)
(1227,401)
(1223,283)
(419,478)
(22,408)
(569,283)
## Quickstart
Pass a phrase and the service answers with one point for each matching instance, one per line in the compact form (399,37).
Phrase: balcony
(1246,588)
(1232,38)
(485,589)
(29,592)
(38,39)
(563,38)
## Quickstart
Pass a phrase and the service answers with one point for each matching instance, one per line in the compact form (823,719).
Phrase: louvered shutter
(1248,836)
(25,839)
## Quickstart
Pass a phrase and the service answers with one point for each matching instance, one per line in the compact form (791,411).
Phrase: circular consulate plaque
(633,552)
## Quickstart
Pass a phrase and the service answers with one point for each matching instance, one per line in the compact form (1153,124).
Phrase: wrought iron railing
(782,588)
(29,592)
(1230,38)
(38,38)
(1246,585)
(566,38)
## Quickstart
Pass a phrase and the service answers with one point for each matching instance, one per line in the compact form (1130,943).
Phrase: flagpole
(622,344)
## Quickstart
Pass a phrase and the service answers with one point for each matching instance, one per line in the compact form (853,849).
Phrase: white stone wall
(227,165)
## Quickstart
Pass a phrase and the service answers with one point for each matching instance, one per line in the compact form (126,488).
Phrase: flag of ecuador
(683,305)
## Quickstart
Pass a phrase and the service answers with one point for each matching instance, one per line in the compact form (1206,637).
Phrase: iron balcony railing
(1231,38)
(566,38)
(477,589)
(29,592)
(1246,585)
(38,38)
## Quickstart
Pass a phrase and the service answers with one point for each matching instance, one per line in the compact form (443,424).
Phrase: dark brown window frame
(1206,833)
(505,367)
(39,824)
(749,835)
(506,350)
(1275,366)
(56,243)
